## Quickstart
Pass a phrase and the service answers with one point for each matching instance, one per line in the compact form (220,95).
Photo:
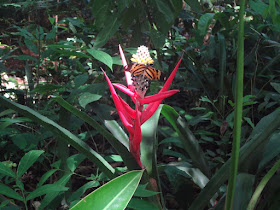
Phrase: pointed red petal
(157,97)
(130,111)
(171,77)
(124,116)
(127,72)
(124,89)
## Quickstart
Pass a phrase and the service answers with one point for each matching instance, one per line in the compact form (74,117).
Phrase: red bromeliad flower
(136,88)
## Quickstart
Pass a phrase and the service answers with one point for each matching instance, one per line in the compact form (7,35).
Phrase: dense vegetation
(61,137)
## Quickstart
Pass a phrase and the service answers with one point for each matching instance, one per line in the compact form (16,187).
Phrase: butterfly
(147,70)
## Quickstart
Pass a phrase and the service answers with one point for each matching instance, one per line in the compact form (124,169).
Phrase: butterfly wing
(150,72)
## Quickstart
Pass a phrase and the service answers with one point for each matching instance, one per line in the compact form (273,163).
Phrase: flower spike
(133,119)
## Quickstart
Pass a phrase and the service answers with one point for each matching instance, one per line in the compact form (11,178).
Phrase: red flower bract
(133,119)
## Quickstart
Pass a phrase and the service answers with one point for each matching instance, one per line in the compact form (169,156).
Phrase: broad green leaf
(195,5)
(114,195)
(272,149)
(258,139)
(204,22)
(202,26)
(46,176)
(87,98)
(48,188)
(5,190)
(6,170)
(139,204)
(102,57)
(80,80)
(164,8)
(111,27)
(158,38)
(63,133)
(148,148)
(258,6)
(243,190)
(189,141)
(27,161)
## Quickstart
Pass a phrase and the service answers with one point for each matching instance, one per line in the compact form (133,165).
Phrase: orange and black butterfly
(147,70)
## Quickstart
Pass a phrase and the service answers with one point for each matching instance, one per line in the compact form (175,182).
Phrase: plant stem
(238,110)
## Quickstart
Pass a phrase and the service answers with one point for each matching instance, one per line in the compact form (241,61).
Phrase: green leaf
(121,149)
(149,130)
(5,190)
(87,98)
(114,195)
(80,80)
(186,170)
(189,141)
(258,6)
(102,57)
(46,176)
(111,27)
(49,197)
(141,191)
(276,86)
(74,161)
(48,188)
(31,46)
(9,121)
(163,7)
(6,170)
(158,38)
(141,204)
(262,184)
(258,139)
(204,22)
(79,192)
(195,5)
(27,161)
(272,149)
(243,190)
(66,135)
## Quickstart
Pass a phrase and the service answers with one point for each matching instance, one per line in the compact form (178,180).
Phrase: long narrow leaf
(119,147)
(262,184)
(6,170)
(188,139)
(63,133)
(5,190)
